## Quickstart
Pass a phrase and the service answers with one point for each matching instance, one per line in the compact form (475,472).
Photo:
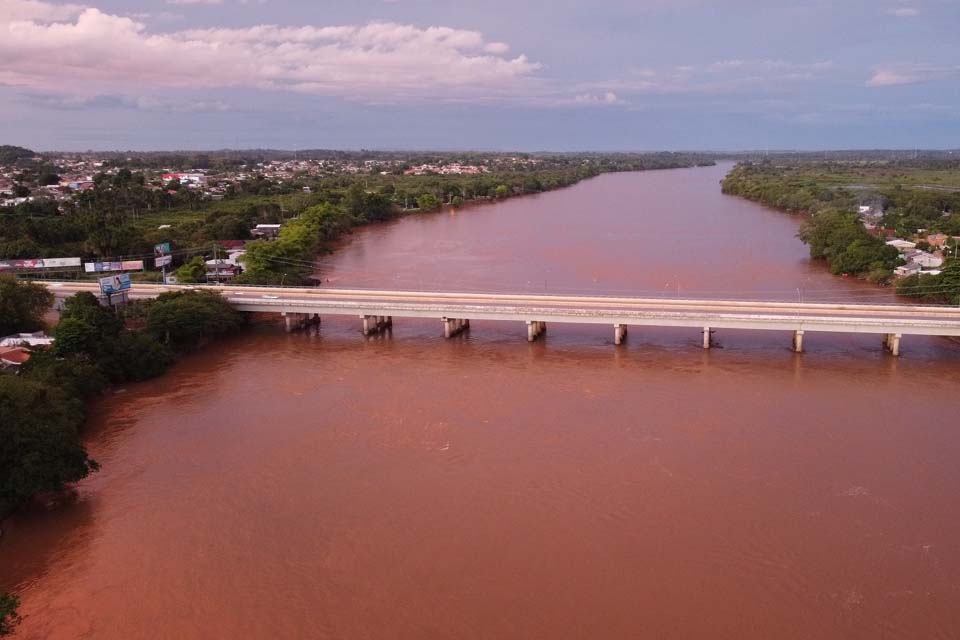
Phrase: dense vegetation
(833,231)
(8,614)
(942,288)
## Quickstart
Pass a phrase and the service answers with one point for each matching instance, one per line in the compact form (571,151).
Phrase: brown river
(323,485)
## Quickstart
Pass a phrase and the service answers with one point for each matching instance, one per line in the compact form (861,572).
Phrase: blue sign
(114,284)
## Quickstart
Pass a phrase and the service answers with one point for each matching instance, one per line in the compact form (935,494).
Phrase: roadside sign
(161,249)
(114,284)
(163,261)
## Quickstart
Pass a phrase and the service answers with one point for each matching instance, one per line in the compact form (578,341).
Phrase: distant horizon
(498,150)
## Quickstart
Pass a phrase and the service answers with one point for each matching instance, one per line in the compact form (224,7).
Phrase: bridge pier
(619,333)
(707,337)
(891,341)
(454,326)
(376,324)
(294,321)
(535,328)
(798,341)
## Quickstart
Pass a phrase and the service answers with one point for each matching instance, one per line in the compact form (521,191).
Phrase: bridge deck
(712,314)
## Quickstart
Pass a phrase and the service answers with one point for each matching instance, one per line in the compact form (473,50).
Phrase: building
(902,246)
(265,231)
(11,358)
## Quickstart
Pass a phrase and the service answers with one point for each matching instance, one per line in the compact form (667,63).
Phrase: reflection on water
(325,485)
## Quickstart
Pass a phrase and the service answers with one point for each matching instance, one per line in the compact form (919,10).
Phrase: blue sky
(426,74)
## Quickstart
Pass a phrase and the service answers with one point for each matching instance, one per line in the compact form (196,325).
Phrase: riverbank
(853,210)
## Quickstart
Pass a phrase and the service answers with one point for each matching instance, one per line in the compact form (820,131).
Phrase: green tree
(22,305)
(428,202)
(193,271)
(40,449)
(8,613)
(182,318)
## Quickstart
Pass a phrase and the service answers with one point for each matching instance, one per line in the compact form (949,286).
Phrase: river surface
(323,485)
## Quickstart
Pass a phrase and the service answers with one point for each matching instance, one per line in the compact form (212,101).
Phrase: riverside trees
(833,231)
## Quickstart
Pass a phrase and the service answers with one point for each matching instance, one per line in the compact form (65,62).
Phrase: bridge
(375,310)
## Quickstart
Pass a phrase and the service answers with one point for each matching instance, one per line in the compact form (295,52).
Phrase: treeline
(833,231)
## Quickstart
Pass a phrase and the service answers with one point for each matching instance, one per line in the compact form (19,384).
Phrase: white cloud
(70,49)
(902,12)
(909,74)
(722,76)
(606,98)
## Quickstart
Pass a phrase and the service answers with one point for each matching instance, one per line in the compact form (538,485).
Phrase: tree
(40,449)
(193,271)
(22,305)
(428,202)
(8,613)
(184,317)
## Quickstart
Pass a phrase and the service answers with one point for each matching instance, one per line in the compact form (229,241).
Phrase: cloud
(902,12)
(606,98)
(902,75)
(722,76)
(70,49)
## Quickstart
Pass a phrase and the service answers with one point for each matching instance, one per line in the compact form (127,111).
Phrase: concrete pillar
(706,337)
(531,330)
(288,323)
(798,341)
(447,328)
(543,327)
(366,325)
(466,324)
(316,318)
(389,321)
(619,333)
(895,344)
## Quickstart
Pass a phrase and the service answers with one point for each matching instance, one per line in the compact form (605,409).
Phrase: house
(937,239)
(923,259)
(36,339)
(265,231)
(11,358)
(909,269)
(902,246)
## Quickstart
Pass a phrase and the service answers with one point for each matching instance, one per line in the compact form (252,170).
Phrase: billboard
(114,284)
(57,263)
(161,249)
(103,267)
(39,263)
(163,261)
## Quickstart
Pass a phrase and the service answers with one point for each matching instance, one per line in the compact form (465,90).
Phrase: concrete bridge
(376,311)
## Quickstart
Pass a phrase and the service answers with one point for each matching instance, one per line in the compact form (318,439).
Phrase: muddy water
(320,485)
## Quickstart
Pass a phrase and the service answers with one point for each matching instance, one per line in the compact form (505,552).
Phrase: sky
(558,75)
